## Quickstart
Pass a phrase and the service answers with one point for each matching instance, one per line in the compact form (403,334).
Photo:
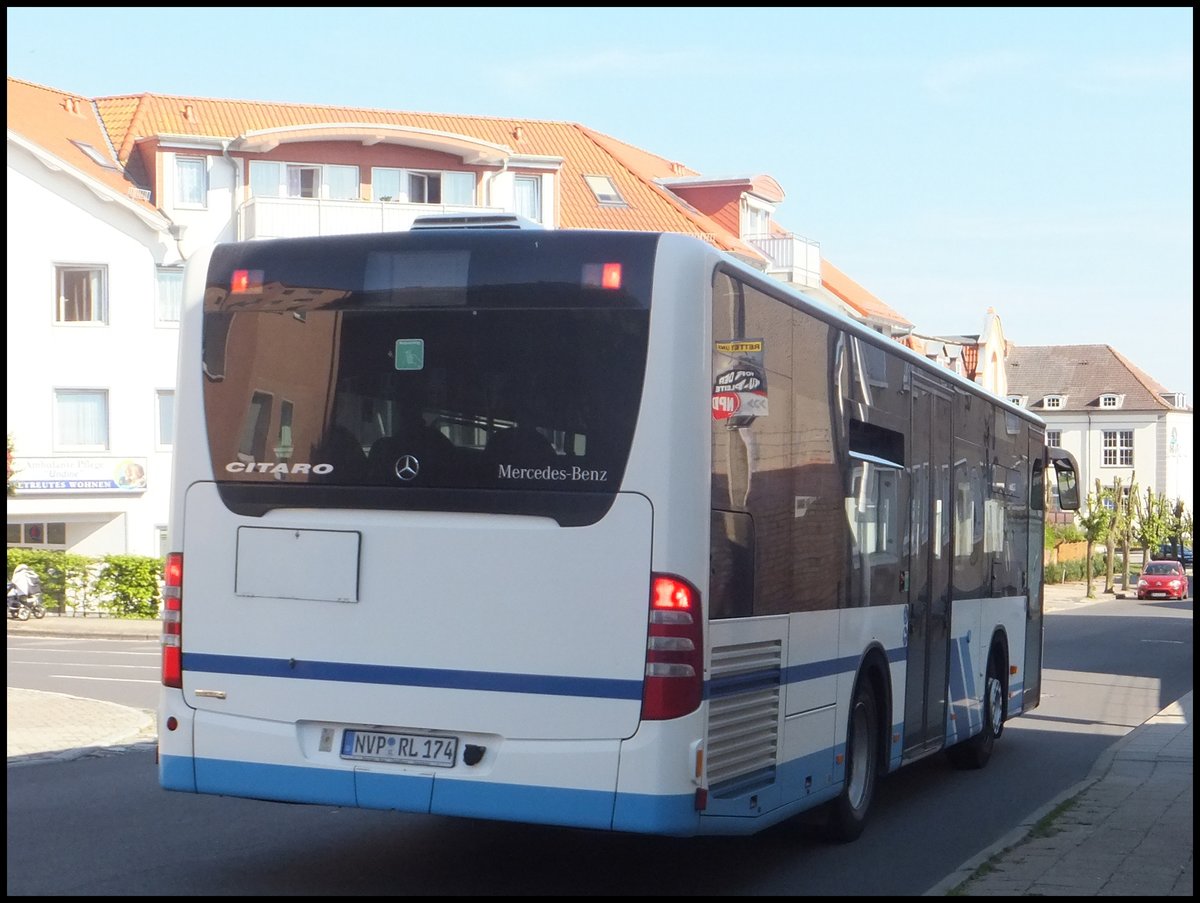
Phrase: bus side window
(731,565)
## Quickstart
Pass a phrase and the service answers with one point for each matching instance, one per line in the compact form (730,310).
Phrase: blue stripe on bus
(500,682)
(396,675)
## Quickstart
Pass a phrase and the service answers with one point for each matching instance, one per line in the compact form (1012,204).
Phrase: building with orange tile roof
(118,192)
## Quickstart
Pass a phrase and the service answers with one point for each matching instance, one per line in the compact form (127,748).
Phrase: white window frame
(266,179)
(1054,438)
(168,295)
(164,442)
(755,218)
(1116,448)
(281,179)
(387,183)
(295,183)
(1110,400)
(1018,400)
(94,285)
(530,204)
(60,441)
(340,182)
(455,188)
(1054,401)
(417,184)
(191,182)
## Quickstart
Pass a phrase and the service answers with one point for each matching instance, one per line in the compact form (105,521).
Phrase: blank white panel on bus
(297,564)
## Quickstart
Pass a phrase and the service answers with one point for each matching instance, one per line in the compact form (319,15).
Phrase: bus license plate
(404,749)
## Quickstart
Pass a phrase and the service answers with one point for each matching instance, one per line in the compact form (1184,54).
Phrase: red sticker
(725,404)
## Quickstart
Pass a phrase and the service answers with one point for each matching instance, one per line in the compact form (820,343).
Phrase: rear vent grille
(743,717)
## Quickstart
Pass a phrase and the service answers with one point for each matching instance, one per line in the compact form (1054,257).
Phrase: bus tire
(848,813)
(975,753)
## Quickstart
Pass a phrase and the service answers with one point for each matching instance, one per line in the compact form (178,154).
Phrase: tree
(1129,510)
(1116,524)
(1118,501)
(1154,522)
(1095,525)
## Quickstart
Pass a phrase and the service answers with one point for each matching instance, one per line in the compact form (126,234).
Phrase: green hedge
(122,586)
(1072,571)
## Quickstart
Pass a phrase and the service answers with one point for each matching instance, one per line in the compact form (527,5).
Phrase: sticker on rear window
(410,354)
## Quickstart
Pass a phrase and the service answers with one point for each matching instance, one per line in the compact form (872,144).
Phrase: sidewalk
(46,727)
(1125,830)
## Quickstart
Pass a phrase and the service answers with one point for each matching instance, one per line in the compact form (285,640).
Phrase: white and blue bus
(597,529)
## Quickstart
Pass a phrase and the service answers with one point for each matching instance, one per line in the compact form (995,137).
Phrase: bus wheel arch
(866,749)
(975,752)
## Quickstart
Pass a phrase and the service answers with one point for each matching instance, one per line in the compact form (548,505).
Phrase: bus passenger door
(929,581)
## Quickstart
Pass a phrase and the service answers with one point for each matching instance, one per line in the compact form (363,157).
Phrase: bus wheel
(848,813)
(974,753)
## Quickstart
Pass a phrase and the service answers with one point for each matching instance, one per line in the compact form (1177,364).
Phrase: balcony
(263,217)
(793,259)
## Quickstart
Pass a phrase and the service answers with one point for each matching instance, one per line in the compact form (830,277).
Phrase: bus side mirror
(1067,475)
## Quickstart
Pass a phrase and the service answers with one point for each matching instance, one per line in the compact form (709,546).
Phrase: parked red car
(1163,580)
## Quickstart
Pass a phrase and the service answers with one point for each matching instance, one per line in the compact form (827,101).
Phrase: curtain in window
(458,188)
(342,182)
(81,417)
(303,181)
(190,173)
(170,294)
(265,179)
(528,198)
(385,184)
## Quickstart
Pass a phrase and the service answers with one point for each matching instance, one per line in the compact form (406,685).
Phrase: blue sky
(1038,161)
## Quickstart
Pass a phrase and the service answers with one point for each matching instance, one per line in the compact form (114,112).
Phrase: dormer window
(756,218)
(1051,402)
(1018,400)
(1110,401)
(1175,399)
(605,191)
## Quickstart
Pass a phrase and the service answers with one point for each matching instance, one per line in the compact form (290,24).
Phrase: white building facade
(1116,420)
(91,362)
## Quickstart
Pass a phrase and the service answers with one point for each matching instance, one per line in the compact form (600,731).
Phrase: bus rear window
(424,378)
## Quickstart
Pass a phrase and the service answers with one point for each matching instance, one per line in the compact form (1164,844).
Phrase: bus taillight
(674,650)
(172,635)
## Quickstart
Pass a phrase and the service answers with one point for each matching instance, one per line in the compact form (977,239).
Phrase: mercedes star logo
(407,467)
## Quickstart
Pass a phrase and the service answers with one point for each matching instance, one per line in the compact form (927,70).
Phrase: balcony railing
(793,258)
(263,217)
